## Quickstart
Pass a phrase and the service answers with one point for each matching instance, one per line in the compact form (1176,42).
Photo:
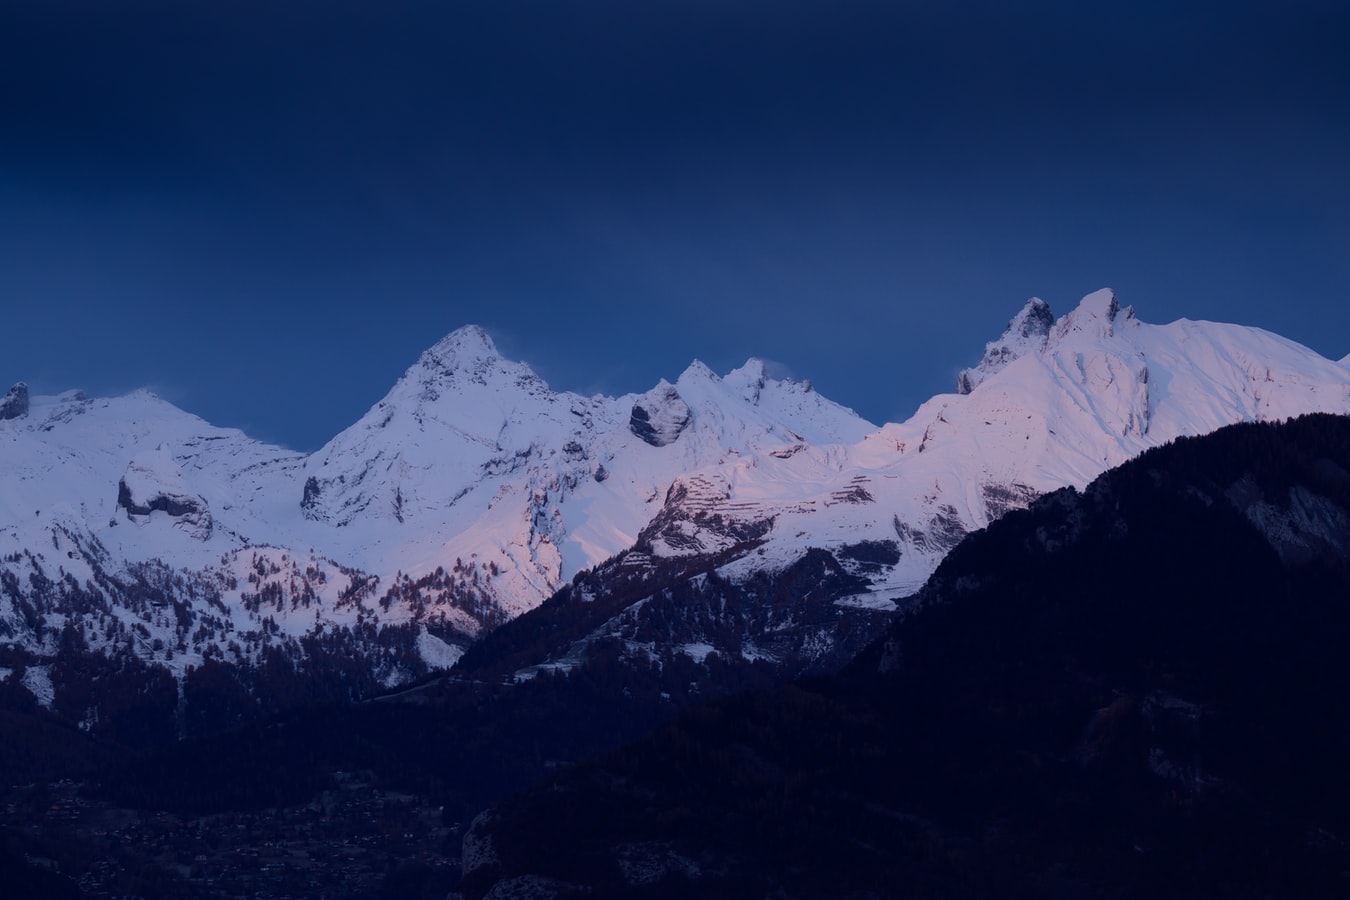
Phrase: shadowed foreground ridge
(1132,691)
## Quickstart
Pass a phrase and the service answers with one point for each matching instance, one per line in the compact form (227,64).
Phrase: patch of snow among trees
(697,652)
(436,653)
(38,681)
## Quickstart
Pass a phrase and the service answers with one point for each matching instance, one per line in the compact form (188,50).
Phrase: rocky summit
(15,402)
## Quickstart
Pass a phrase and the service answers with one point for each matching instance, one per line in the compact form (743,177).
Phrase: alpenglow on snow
(472,491)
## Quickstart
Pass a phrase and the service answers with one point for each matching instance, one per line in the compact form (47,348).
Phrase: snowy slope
(472,455)
(471,491)
(1100,388)
(467,495)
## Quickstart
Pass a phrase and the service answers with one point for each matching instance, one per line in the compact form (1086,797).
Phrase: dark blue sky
(266,210)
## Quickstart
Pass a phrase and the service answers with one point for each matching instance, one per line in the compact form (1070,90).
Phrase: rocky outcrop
(310,501)
(660,415)
(1302,525)
(154,483)
(1026,333)
(15,402)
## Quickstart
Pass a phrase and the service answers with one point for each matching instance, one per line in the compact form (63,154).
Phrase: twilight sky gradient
(266,210)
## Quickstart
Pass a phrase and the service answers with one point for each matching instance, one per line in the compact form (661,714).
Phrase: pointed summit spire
(1026,333)
(465,359)
(465,342)
(697,371)
(468,349)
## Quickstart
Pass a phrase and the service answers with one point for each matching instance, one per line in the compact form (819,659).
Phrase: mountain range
(472,492)
(1043,641)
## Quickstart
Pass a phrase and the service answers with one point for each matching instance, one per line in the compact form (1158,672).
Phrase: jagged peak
(1026,333)
(469,342)
(1034,318)
(467,355)
(697,371)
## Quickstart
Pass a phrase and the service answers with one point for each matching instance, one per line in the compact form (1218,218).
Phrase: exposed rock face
(154,483)
(15,403)
(1026,333)
(660,415)
(478,855)
(310,500)
(1300,526)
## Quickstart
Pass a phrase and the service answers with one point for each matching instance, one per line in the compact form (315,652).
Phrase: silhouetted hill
(1133,691)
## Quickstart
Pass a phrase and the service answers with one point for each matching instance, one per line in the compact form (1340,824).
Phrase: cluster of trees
(1118,693)
(463,588)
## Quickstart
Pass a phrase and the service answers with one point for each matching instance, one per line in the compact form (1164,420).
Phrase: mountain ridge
(472,491)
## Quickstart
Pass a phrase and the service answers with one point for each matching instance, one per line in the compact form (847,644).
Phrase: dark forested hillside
(1133,691)
(596,666)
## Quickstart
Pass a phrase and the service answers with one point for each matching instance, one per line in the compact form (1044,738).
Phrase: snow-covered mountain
(472,491)
(473,456)
(1053,403)
(464,497)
